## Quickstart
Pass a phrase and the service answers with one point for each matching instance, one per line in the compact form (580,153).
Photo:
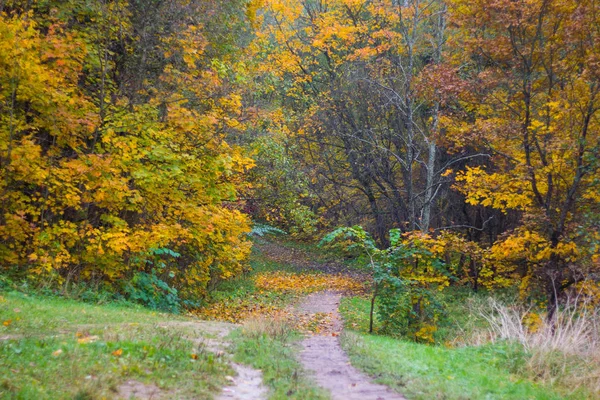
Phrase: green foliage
(153,292)
(352,238)
(280,187)
(408,306)
(264,229)
(150,289)
(406,276)
(413,312)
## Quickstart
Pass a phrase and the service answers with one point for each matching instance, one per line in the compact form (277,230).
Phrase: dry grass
(277,327)
(565,351)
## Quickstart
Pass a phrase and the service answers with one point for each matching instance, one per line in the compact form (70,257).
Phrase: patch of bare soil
(247,385)
(137,390)
(322,355)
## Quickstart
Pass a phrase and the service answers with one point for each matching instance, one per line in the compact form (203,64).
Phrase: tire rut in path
(323,356)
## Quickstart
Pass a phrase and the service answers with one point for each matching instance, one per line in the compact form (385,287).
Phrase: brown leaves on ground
(237,310)
(266,303)
(305,283)
(317,323)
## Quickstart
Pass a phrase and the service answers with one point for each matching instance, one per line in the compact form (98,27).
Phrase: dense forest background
(139,139)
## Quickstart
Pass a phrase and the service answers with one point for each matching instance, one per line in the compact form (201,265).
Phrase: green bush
(412,312)
(409,307)
(151,291)
(407,304)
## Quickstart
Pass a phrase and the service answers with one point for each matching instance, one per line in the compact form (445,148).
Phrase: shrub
(406,276)
(151,291)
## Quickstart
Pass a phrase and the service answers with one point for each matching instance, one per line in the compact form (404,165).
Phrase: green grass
(276,357)
(493,371)
(31,314)
(44,353)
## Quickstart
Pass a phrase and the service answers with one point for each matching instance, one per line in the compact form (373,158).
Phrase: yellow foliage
(425,333)
(90,194)
(493,190)
(532,321)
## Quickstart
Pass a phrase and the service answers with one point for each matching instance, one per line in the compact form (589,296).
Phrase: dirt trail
(303,261)
(247,385)
(323,356)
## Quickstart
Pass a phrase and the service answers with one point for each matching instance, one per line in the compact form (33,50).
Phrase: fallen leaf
(117,353)
(87,339)
(57,353)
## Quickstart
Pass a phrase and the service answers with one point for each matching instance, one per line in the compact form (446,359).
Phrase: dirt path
(304,261)
(247,385)
(323,356)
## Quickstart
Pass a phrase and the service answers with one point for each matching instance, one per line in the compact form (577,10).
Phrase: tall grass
(565,350)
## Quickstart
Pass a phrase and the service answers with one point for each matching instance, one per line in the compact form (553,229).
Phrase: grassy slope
(493,371)
(59,348)
(416,370)
(39,326)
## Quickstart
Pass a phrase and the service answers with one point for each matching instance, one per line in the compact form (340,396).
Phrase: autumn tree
(365,84)
(535,67)
(112,142)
